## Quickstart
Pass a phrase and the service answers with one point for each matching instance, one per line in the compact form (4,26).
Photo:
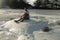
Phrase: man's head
(25,9)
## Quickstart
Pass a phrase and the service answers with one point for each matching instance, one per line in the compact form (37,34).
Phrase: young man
(25,16)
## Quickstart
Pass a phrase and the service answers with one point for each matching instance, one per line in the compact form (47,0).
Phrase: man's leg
(21,20)
(18,20)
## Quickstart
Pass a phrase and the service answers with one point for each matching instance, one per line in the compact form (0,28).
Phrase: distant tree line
(15,4)
(47,4)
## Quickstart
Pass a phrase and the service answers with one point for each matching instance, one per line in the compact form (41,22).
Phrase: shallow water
(40,16)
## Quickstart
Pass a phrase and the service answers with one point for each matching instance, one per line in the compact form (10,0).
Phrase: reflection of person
(25,16)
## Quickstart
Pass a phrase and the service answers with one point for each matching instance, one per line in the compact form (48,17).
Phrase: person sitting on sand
(25,16)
